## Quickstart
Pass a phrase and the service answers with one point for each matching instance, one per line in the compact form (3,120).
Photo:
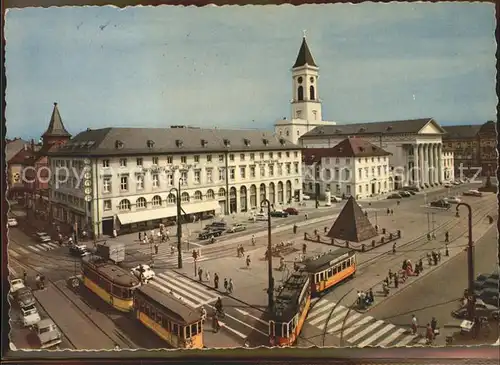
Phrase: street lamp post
(470,264)
(270,289)
(179,225)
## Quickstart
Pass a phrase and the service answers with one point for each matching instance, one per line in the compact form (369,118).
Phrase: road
(436,294)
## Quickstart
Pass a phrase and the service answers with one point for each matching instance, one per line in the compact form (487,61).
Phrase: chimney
(25,146)
(33,145)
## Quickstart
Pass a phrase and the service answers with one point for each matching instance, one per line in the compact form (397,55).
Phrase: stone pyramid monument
(351,224)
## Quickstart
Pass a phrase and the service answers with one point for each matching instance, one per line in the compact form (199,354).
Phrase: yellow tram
(329,269)
(170,318)
(112,283)
(290,311)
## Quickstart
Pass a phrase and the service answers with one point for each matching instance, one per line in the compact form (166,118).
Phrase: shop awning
(190,208)
(147,215)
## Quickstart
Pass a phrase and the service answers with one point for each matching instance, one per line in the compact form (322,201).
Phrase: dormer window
(204,143)
(362,129)
(338,131)
(265,141)
(389,128)
(282,141)
(150,143)
(247,142)
(118,144)
(227,142)
(361,149)
(179,143)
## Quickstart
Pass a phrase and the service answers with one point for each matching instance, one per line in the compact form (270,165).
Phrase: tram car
(290,310)
(328,269)
(175,322)
(110,282)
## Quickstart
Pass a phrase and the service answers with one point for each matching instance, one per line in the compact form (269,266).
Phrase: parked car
(413,188)
(221,225)
(43,237)
(16,284)
(259,217)
(490,283)
(147,272)
(25,297)
(447,184)
(30,316)
(441,203)
(335,199)
(394,196)
(404,194)
(12,222)
(482,277)
(482,310)
(79,250)
(292,211)
(472,193)
(238,227)
(279,214)
(48,334)
(306,197)
(453,200)
(489,296)
(207,234)
(494,276)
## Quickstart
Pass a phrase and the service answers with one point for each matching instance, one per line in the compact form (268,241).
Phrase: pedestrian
(429,334)
(115,234)
(225,285)
(200,274)
(434,325)
(390,274)
(304,248)
(215,323)
(253,240)
(414,324)
(207,276)
(216,281)
(428,236)
(248,261)
(388,211)
(394,248)
(238,251)
(396,281)
(446,250)
(25,276)
(446,237)
(306,216)
(371,297)
(144,240)
(325,230)
(421,265)
(392,212)
(140,236)
(230,286)
(294,229)
(156,248)
(359,298)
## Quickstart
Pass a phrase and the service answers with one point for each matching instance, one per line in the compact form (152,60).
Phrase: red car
(291,211)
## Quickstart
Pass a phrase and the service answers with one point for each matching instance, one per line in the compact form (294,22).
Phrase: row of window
(109,287)
(157,315)
(329,160)
(208,158)
(65,198)
(156,179)
(328,273)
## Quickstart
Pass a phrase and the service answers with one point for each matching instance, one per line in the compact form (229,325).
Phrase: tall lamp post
(179,225)
(270,289)
(470,264)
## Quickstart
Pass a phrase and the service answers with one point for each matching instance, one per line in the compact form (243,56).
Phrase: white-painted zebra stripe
(318,319)
(366,331)
(376,335)
(338,313)
(53,245)
(46,246)
(340,319)
(391,338)
(357,325)
(14,253)
(34,248)
(405,341)
(22,250)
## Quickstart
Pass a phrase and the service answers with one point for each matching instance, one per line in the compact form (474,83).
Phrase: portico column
(415,165)
(435,178)
(428,164)
(430,168)
(423,163)
(420,164)
(440,163)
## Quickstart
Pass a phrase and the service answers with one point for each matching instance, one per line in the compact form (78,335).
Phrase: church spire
(304,57)
(56,127)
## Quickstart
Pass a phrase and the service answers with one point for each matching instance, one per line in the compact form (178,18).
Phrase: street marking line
(46,246)
(340,318)
(166,289)
(315,312)
(376,335)
(34,248)
(12,272)
(324,316)
(391,338)
(405,341)
(357,325)
(14,253)
(23,250)
(239,334)
(251,316)
(198,289)
(243,323)
(53,245)
(366,331)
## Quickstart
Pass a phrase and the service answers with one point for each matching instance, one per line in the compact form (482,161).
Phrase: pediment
(432,127)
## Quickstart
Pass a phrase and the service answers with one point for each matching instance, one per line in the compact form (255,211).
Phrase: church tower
(305,101)
(56,132)
(306,105)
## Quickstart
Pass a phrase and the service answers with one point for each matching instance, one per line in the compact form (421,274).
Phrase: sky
(230,67)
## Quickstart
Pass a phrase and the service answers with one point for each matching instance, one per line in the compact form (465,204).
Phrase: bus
(110,282)
(328,269)
(170,318)
(290,310)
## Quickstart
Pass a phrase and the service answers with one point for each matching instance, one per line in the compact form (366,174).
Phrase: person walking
(230,286)
(207,276)
(248,261)
(446,237)
(253,240)
(140,236)
(429,335)
(414,325)
(306,216)
(156,248)
(225,284)
(371,297)
(200,274)
(216,281)
(304,248)
(25,277)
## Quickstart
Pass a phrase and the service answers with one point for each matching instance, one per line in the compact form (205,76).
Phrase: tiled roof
(23,156)
(349,147)
(13,147)
(390,127)
(122,141)
(56,126)
(460,131)
(304,56)
(488,128)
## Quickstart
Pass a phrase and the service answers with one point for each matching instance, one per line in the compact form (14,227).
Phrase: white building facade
(352,168)
(134,187)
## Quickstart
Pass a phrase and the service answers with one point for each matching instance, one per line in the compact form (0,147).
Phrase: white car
(447,185)
(453,200)
(48,334)
(15,285)
(147,272)
(30,316)
(12,222)
(456,182)
(335,199)
(306,197)
(260,217)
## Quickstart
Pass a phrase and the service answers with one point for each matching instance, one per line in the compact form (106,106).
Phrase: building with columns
(415,147)
(134,173)
(305,102)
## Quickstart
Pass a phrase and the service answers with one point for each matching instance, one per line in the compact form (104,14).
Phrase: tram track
(477,216)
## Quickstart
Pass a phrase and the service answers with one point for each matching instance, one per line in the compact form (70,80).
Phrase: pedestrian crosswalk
(166,256)
(357,329)
(17,250)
